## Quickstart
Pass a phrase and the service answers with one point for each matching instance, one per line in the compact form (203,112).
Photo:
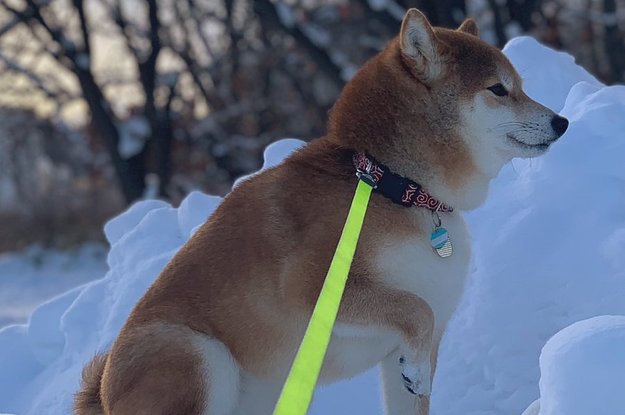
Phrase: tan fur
(240,292)
(168,360)
(87,401)
(469,26)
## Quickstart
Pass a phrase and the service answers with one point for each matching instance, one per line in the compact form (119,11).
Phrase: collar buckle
(367,178)
(365,175)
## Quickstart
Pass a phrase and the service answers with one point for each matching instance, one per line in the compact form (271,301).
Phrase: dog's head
(477,89)
(444,108)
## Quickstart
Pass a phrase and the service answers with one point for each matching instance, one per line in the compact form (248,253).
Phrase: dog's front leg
(397,400)
(407,372)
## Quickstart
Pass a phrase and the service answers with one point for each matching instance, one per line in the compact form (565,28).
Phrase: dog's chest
(410,264)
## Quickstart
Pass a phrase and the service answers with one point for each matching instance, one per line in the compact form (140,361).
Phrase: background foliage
(103,102)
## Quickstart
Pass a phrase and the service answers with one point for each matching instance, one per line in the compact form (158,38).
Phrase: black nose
(559,124)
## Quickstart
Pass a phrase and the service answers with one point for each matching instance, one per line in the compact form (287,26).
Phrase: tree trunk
(441,12)
(500,30)
(266,9)
(130,172)
(161,141)
(613,42)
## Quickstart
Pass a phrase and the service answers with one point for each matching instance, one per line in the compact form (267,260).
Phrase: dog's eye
(498,90)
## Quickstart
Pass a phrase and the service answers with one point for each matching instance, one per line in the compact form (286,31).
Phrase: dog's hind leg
(222,377)
(160,368)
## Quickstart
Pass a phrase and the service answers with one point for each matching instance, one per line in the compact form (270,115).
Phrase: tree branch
(613,42)
(9,26)
(130,172)
(499,24)
(59,96)
(382,15)
(186,53)
(33,13)
(78,4)
(197,22)
(23,17)
(266,9)
(118,17)
(147,67)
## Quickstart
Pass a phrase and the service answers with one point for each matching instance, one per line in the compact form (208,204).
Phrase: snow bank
(41,361)
(583,369)
(549,245)
(30,277)
(548,75)
(549,250)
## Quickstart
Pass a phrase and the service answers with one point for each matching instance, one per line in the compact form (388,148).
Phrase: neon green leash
(300,385)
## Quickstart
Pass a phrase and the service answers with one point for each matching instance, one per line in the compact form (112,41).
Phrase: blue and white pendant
(441,243)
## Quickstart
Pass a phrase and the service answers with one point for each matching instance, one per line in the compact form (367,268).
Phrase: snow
(35,275)
(133,134)
(316,35)
(583,369)
(83,61)
(8,193)
(524,53)
(548,246)
(286,14)
(549,250)
(533,409)
(390,6)
(274,154)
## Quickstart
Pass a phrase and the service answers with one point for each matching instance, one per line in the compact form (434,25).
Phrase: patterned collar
(400,190)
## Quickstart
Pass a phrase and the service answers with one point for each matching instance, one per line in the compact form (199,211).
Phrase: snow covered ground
(31,277)
(583,369)
(549,250)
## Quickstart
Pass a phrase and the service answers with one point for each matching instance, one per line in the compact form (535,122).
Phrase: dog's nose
(559,124)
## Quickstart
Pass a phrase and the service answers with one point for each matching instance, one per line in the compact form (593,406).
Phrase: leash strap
(300,385)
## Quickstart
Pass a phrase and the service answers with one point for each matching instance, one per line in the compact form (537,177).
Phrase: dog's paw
(416,378)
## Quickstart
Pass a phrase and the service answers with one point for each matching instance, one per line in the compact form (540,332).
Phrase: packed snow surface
(583,369)
(30,277)
(549,250)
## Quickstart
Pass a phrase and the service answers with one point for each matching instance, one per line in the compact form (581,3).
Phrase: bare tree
(73,51)
(217,80)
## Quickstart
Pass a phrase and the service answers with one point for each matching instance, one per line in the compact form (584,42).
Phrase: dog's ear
(469,26)
(419,44)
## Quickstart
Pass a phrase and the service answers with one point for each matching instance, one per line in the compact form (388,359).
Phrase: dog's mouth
(535,147)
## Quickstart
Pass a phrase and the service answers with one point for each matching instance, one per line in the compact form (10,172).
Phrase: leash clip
(365,175)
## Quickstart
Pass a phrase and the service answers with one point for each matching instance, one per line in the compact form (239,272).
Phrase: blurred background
(104,102)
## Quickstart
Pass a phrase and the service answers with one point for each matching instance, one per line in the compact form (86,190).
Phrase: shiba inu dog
(433,117)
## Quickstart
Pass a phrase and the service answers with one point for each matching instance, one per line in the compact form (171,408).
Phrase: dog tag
(441,242)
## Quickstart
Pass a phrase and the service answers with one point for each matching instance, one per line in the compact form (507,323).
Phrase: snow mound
(583,369)
(41,362)
(36,274)
(552,63)
(549,250)
(549,245)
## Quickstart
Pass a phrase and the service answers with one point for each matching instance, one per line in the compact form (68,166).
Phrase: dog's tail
(87,400)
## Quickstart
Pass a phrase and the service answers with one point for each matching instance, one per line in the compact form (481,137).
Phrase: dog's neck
(469,194)
(466,197)
(399,189)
